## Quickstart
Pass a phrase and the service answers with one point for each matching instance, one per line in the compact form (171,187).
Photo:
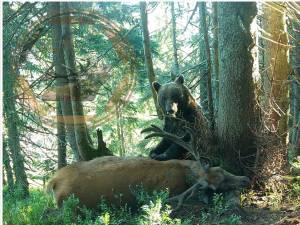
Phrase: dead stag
(213,178)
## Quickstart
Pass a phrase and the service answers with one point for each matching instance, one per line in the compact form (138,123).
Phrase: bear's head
(174,98)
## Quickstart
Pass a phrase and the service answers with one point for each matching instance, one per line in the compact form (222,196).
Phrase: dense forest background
(77,82)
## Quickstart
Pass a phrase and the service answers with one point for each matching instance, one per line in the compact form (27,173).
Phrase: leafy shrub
(216,212)
(40,208)
(144,197)
(295,188)
(28,211)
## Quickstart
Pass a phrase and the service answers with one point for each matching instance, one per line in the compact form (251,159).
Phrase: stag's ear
(156,86)
(179,80)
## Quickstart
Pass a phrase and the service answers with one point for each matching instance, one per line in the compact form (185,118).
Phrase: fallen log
(115,178)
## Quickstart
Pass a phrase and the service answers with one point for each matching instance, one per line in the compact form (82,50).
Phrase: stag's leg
(160,148)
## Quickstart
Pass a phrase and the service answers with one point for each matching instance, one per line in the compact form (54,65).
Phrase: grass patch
(40,208)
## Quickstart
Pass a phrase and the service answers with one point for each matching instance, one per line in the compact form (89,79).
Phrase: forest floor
(259,208)
(274,209)
(254,214)
(282,216)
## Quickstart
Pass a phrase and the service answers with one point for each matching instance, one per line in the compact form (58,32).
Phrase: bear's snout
(172,109)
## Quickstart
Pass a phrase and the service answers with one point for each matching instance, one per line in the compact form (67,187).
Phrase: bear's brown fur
(180,109)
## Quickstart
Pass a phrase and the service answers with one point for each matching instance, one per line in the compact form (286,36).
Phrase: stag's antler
(190,145)
(158,132)
(202,184)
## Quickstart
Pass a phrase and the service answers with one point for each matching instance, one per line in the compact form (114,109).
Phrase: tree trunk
(294,140)
(202,6)
(294,151)
(120,129)
(11,121)
(8,169)
(236,103)
(148,56)
(62,88)
(86,150)
(61,137)
(203,69)
(276,70)
(216,55)
(175,69)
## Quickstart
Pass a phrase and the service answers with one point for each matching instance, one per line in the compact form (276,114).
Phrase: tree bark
(61,137)
(12,120)
(175,69)
(294,56)
(202,6)
(62,88)
(276,70)
(203,69)
(86,150)
(8,169)
(120,129)
(216,55)
(148,56)
(236,104)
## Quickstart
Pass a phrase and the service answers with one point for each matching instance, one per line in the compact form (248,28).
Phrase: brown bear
(180,109)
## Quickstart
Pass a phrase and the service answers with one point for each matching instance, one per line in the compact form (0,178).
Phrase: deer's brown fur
(114,179)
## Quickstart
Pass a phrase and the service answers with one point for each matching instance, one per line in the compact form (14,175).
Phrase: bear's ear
(179,80)
(156,86)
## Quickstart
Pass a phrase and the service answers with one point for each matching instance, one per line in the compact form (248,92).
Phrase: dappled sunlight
(144,113)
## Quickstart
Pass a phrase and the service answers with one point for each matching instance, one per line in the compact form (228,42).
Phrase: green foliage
(28,211)
(219,205)
(296,188)
(157,213)
(39,208)
(295,163)
(293,191)
(216,212)
(143,197)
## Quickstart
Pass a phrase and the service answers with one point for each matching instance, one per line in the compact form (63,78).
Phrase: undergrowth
(215,214)
(40,208)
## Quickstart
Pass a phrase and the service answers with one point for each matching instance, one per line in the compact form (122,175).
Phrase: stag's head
(213,179)
(216,178)
(221,180)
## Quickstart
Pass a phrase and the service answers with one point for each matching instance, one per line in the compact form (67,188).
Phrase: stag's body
(115,178)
